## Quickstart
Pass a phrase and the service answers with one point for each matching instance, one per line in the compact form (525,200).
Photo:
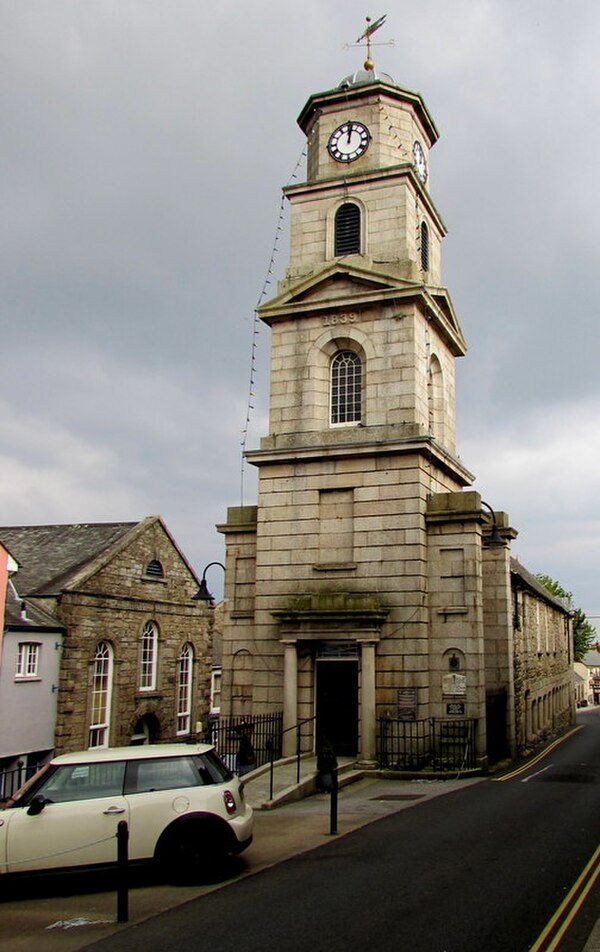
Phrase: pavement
(65,915)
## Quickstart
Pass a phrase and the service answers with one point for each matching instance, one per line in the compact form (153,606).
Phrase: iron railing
(14,777)
(246,742)
(430,744)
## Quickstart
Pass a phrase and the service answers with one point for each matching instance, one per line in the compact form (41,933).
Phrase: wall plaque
(455,684)
(407,704)
(455,707)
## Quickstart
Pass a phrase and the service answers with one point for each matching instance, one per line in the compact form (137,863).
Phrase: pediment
(335,282)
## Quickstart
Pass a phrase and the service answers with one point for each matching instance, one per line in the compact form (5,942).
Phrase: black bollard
(122,861)
(333,816)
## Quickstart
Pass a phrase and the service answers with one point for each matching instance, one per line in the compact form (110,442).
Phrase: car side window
(164,773)
(83,782)
(212,769)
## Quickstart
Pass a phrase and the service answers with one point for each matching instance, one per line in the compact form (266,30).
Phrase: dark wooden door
(337,706)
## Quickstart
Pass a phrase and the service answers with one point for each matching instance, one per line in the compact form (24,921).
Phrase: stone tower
(354,587)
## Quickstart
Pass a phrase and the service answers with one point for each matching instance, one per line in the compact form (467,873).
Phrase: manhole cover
(400,796)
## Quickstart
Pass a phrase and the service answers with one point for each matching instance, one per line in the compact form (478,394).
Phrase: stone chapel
(369,586)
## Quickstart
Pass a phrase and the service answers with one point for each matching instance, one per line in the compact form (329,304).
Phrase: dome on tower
(364,77)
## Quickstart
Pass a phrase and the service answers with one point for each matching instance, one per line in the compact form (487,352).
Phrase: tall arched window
(347,229)
(346,387)
(424,247)
(102,674)
(148,657)
(184,688)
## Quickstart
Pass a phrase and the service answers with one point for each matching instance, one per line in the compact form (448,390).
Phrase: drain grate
(400,796)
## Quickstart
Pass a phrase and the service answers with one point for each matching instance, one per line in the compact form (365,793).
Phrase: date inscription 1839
(345,317)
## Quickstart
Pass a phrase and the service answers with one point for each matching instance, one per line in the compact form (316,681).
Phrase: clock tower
(353,588)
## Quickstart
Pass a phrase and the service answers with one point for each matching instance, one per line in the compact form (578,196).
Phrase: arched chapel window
(184,688)
(148,657)
(346,387)
(347,229)
(424,247)
(102,674)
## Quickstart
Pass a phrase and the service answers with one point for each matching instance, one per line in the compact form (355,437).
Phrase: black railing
(431,744)
(13,778)
(246,742)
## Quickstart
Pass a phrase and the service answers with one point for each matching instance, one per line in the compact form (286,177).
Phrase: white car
(184,808)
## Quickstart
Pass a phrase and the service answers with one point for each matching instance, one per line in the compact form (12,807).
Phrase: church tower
(354,586)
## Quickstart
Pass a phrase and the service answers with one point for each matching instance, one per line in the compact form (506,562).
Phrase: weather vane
(366,35)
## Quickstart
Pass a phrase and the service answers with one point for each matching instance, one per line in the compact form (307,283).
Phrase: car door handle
(112,811)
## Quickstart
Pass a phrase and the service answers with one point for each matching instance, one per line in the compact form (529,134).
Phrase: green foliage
(584,633)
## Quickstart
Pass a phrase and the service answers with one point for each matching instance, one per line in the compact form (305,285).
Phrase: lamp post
(494,538)
(203,594)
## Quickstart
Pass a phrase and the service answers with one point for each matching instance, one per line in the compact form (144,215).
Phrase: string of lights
(256,324)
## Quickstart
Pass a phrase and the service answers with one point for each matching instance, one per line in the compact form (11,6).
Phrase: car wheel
(191,853)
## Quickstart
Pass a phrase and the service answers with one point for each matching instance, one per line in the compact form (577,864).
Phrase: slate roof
(531,581)
(50,555)
(20,615)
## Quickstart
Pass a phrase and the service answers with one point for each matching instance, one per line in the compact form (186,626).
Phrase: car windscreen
(83,781)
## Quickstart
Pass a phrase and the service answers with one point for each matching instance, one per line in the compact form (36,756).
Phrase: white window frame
(346,389)
(101,696)
(185,671)
(28,659)
(216,680)
(148,657)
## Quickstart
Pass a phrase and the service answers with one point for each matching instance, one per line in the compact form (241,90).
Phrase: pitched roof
(534,584)
(50,555)
(20,615)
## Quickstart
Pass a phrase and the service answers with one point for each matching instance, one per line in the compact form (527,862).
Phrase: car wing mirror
(37,805)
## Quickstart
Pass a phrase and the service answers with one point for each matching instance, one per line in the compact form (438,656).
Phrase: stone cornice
(365,445)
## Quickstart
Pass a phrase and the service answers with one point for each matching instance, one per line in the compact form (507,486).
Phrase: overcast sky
(144,146)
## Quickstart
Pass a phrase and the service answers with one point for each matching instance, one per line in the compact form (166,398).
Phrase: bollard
(333,815)
(122,861)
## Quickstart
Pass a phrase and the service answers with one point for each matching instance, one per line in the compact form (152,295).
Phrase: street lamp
(494,537)
(203,594)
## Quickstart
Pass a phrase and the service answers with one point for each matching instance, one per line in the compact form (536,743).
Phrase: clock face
(420,161)
(349,142)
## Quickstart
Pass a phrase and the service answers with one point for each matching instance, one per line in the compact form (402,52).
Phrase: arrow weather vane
(366,35)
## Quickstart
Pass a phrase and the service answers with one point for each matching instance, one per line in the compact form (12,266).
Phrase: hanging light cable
(256,326)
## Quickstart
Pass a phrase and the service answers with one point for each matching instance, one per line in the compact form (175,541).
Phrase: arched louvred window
(154,569)
(102,674)
(346,387)
(424,247)
(347,229)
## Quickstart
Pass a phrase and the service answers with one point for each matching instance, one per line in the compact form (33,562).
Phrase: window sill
(27,680)
(335,566)
(156,581)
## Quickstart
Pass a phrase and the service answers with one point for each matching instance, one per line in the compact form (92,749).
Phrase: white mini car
(184,808)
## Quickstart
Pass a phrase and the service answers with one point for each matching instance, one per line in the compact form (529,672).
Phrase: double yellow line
(535,760)
(552,935)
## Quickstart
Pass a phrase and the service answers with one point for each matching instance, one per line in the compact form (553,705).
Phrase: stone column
(368,721)
(290,696)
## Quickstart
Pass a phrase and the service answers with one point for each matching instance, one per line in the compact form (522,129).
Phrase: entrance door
(337,705)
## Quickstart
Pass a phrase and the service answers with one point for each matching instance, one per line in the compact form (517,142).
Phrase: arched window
(154,569)
(347,229)
(346,387)
(184,688)
(148,657)
(424,247)
(102,674)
